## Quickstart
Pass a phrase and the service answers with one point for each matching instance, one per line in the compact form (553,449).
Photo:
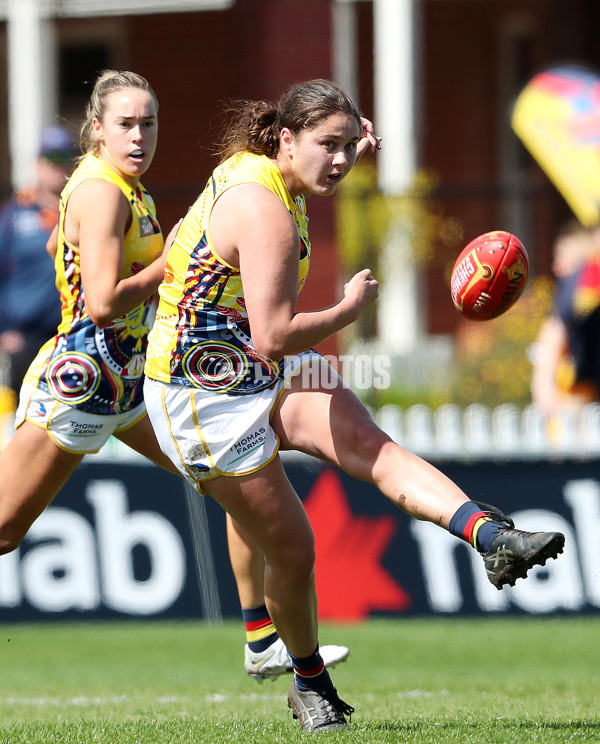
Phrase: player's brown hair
(255,126)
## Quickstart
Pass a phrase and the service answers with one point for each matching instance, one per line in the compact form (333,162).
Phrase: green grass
(494,681)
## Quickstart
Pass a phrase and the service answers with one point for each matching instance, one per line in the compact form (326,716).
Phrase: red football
(489,275)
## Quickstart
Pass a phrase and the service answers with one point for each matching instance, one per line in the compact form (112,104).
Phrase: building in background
(469,60)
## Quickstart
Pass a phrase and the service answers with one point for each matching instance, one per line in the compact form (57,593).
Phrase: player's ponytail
(253,127)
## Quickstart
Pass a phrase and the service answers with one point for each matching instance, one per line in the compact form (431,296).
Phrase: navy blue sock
(310,673)
(474,526)
(260,631)
(486,534)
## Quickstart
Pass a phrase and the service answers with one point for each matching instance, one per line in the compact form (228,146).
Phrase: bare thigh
(330,423)
(333,424)
(32,471)
(142,439)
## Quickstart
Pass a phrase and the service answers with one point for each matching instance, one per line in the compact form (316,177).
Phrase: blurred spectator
(29,300)
(566,355)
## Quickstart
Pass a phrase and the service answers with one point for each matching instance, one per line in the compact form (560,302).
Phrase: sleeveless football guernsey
(201,337)
(99,370)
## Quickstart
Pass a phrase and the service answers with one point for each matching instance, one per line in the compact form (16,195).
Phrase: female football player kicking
(226,383)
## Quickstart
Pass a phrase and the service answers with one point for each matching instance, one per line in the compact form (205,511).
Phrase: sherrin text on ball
(489,275)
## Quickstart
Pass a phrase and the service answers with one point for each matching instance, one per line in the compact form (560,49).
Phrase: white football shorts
(70,429)
(207,434)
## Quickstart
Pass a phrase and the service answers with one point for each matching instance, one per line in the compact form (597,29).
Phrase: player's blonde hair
(108,82)
(256,125)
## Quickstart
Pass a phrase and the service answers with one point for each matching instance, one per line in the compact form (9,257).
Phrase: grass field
(435,680)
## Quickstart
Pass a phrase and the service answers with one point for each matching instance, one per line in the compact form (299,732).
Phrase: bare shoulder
(96,195)
(248,216)
(99,205)
(251,201)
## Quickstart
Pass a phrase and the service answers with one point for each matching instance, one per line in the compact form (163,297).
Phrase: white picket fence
(476,432)
(453,433)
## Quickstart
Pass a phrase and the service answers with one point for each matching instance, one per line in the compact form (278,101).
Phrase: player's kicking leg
(333,424)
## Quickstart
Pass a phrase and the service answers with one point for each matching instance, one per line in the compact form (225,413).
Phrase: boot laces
(337,703)
(495,514)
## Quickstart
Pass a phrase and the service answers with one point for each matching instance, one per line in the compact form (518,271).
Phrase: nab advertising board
(129,540)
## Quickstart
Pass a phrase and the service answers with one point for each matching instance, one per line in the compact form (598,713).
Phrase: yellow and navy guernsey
(201,336)
(99,370)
